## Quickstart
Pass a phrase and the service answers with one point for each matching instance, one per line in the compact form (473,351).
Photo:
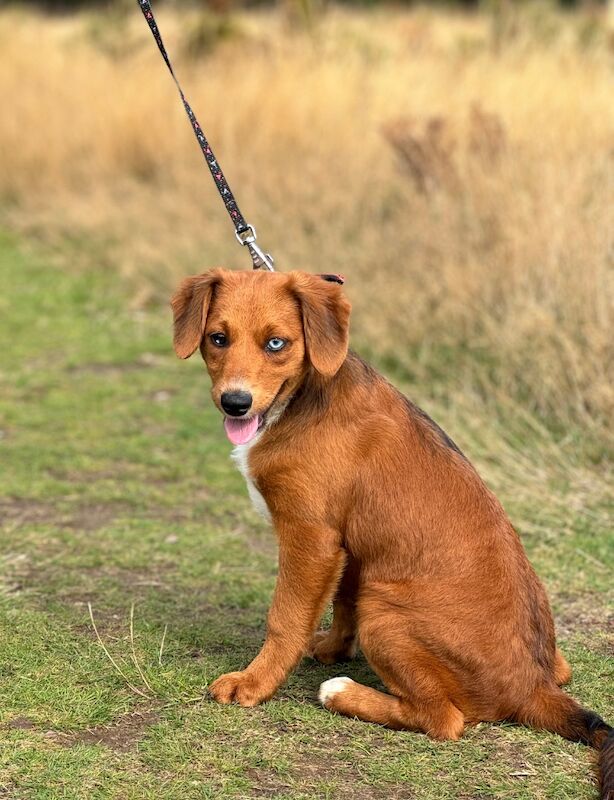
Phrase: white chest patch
(240,456)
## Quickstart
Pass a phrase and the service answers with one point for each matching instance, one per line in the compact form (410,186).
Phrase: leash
(245,233)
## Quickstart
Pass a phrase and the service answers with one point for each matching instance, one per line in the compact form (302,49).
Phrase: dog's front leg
(311,561)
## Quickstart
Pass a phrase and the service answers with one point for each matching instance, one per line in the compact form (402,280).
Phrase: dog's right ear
(190,305)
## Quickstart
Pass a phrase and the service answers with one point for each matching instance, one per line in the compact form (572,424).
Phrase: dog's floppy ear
(190,305)
(326,321)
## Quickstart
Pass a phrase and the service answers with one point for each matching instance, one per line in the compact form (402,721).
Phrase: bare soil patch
(20,511)
(123,734)
(94,517)
(587,613)
(20,724)
(144,361)
(23,511)
(320,765)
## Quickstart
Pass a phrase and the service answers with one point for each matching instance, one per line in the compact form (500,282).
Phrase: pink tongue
(241,431)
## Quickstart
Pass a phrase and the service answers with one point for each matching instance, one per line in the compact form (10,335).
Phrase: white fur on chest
(240,455)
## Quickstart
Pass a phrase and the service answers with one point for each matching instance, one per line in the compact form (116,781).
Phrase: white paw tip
(330,688)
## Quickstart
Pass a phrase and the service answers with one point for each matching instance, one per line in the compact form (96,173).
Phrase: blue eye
(219,339)
(275,344)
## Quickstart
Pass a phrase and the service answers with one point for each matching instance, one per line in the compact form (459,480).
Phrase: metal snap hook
(260,259)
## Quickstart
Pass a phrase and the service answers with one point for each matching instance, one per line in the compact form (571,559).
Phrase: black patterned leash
(245,233)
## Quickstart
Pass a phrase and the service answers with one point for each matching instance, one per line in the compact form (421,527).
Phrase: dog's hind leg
(418,683)
(339,643)
(440,720)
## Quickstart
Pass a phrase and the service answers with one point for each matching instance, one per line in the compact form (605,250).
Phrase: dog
(376,508)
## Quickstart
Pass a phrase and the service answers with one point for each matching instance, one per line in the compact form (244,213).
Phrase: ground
(117,490)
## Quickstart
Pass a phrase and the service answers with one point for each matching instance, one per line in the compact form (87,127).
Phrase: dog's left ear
(326,321)
(190,305)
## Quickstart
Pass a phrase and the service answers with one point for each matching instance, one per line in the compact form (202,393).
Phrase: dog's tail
(552,710)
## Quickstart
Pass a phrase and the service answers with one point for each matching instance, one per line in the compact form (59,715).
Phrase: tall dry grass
(460,174)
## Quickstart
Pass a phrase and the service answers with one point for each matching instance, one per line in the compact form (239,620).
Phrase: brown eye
(219,339)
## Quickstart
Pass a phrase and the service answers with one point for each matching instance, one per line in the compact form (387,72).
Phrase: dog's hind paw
(328,648)
(332,687)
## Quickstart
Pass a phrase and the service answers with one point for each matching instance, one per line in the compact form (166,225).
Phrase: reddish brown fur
(373,505)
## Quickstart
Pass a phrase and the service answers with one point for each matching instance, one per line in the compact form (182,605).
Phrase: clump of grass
(513,306)
(149,693)
(208,30)
(140,683)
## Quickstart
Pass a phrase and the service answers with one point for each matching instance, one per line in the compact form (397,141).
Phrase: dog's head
(260,334)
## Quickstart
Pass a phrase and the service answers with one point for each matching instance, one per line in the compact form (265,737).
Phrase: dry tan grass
(464,183)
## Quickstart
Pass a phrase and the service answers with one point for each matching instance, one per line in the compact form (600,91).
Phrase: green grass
(116,488)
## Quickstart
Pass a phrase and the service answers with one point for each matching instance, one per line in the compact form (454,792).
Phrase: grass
(117,489)
(457,167)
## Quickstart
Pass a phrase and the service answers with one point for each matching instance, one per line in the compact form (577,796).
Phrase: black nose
(236,403)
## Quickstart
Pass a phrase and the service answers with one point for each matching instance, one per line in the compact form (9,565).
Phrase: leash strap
(245,233)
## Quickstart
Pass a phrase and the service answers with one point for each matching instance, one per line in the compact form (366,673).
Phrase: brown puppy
(375,506)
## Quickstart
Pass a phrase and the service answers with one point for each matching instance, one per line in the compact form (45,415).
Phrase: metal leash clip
(260,259)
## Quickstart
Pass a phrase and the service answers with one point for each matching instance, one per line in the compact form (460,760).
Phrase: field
(459,170)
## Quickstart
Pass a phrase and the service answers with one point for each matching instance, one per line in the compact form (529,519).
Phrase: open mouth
(241,430)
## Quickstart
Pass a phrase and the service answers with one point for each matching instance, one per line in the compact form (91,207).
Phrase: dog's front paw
(240,687)
(329,649)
